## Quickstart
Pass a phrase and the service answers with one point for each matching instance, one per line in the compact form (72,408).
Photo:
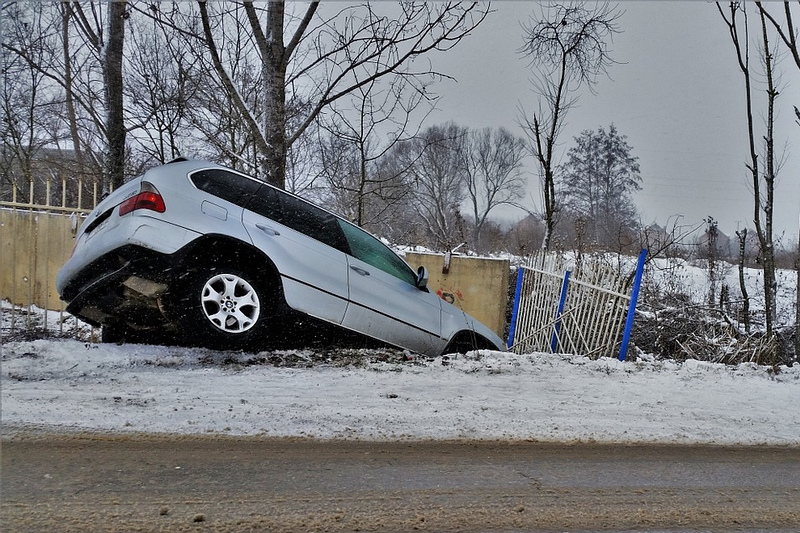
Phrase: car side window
(367,248)
(267,204)
(224,184)
(299,215)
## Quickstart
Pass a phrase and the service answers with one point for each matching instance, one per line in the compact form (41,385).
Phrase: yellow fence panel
(34,245)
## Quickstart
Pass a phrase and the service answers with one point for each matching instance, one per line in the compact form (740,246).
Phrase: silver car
(204,255)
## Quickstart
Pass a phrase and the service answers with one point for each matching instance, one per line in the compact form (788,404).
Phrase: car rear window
(225,184)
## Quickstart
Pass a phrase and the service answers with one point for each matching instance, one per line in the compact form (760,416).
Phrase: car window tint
(266,203)
(224,184)
(367,248)
(299,215)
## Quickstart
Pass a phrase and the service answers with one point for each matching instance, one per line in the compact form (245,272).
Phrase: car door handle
(268,230)
(360,270)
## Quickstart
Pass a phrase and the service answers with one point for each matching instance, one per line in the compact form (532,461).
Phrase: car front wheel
(225,308)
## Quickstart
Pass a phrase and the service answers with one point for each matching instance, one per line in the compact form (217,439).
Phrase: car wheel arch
(467,340)
(221,251)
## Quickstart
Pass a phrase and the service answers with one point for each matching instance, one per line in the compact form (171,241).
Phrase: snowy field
(71,386)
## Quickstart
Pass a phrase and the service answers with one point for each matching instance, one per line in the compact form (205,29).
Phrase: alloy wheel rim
(230,303)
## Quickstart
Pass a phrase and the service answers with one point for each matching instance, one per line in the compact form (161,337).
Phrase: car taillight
(147,198)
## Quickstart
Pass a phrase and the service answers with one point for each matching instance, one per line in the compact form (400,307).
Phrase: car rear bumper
(99,250)
(127,280)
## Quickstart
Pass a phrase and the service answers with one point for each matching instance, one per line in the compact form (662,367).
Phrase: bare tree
(528,230)
(341,173)
(377,118)
(712,235)
(69,97)
(742,238)
(567,48)
(21,98)
(436,172)
(89,72)
(32,104)
(788,35)
(667,241)
(311,59)
(762,175)
(494,174)
(159,89)
(797,283)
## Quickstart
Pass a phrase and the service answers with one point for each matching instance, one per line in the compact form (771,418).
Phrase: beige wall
(479,286)
(33,246)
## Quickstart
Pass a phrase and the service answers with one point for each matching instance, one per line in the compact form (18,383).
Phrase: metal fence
(584,309)
(36,238)
(70,195)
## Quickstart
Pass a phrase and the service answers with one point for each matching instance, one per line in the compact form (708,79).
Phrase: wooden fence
(583,310)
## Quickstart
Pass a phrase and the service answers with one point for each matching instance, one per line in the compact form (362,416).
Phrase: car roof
(183,164)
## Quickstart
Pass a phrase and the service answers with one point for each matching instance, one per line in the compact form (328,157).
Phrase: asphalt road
(90,483)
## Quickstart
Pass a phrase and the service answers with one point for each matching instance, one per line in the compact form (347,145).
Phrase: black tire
(224,307)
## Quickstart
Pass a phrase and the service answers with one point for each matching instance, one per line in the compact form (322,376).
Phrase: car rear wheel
(225,307)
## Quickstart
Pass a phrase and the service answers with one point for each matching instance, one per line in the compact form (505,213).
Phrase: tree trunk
(66,15)
(274,66)
(768,246)
(797,293)
(549,208)
(112,74)
(712,234)
(742,235)
(362,185)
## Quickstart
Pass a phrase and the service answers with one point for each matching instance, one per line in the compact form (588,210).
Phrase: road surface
(146,483)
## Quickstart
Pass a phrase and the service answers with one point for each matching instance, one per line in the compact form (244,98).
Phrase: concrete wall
(33,246)
(479,286)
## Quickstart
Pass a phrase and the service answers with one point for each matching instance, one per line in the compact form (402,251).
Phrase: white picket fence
(584,310)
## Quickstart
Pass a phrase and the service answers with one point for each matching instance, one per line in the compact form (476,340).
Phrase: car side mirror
(422,278)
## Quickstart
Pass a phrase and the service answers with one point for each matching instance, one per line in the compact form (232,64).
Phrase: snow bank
(68,385)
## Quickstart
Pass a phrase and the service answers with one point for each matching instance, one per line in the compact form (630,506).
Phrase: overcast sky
(677,95)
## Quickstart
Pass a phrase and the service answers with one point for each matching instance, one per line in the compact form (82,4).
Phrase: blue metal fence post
(561,301)
(637,282)
(517,291)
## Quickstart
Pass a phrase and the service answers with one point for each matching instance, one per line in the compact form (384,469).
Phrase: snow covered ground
(75,386)
(72,386)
